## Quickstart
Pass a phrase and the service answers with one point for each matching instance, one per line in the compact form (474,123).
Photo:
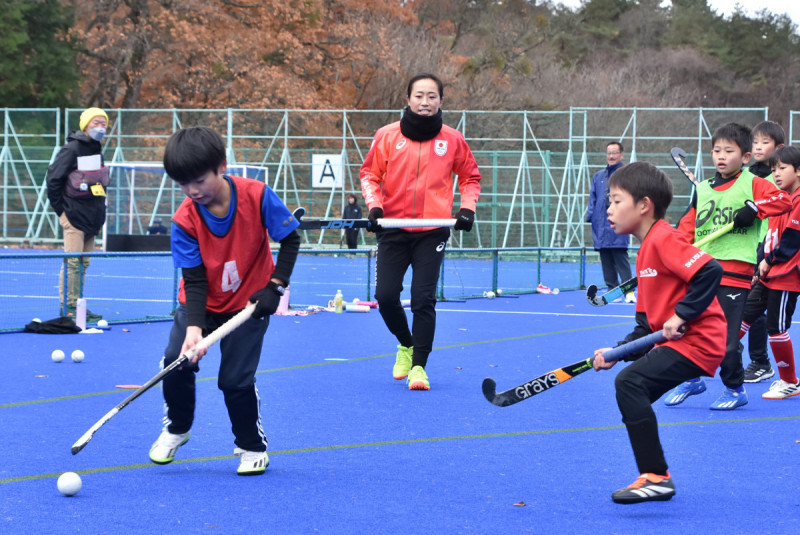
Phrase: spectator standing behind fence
(157,227)
(613,247)
(76,187)
(352,211)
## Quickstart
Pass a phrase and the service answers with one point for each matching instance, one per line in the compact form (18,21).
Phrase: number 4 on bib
(230,277)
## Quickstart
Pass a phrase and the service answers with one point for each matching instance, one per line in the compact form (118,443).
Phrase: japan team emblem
(440,147)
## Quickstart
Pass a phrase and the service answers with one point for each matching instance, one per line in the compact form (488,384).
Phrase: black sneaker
(91,317)
(757,372)
(647,488)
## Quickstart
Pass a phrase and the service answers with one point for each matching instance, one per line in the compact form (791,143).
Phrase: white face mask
(97,133)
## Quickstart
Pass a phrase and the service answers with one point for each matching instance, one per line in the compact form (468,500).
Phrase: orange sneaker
(646,488)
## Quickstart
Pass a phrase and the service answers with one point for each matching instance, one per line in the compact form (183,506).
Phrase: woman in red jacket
(408,173)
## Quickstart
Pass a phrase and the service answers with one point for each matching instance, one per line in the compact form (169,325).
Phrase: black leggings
(638,386)
(423,252)
(240,354)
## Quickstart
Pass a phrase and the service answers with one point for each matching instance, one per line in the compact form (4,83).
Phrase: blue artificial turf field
(354,451)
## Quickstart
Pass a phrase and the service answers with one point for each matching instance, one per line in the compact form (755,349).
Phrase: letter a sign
(327,171)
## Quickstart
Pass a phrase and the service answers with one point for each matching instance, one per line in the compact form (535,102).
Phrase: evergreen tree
(37,56)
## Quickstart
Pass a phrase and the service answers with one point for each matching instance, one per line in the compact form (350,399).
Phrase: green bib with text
(715,210)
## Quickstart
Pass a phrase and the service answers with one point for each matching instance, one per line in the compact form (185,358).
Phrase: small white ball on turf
(102,323)
(36,320)
(490,294)
(57,355)
(77,356)
(69,483)
(499,291)
(555,291)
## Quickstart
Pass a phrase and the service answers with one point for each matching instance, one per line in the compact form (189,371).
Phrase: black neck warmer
(420,127)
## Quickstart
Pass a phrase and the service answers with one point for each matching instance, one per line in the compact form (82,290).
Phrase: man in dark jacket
(76,187)
(613,247)
(352,211)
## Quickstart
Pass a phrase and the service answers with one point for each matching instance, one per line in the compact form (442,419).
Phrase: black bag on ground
(62,325)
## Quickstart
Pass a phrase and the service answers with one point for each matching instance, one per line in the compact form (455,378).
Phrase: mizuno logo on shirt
(733,296)
(649,272)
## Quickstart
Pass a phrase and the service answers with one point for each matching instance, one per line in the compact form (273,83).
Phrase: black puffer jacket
(88,215)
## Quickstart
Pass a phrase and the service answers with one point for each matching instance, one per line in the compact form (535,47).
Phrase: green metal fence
(536,166)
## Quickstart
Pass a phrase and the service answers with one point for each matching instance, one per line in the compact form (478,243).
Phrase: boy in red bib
(677,292)
(220,241)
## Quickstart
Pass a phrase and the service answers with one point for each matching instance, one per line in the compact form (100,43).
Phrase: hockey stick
(627,286)
(324,224)
(222,331)
(678,156)
(556,377)
(611,295)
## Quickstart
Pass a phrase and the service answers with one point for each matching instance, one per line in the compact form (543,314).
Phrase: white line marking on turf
(627,316)
(338,360)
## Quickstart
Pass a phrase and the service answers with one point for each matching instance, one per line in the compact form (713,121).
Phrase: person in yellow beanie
(76,187)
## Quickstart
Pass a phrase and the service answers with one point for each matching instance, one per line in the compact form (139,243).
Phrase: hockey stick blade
(591,296)
(679,157)
(561,375)
(222,331)
(612,295)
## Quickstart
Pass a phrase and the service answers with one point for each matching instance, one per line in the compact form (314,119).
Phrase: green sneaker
(402,364)
(418,379)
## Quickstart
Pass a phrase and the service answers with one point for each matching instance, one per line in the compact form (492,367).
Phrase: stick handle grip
(416,223)
(634,346)
(714,235)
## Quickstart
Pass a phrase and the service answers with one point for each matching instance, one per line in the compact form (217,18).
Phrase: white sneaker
(163,449)
(251,463)
(781,389)
(630,297)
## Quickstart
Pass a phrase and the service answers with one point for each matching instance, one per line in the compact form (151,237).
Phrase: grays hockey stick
(219,333)
(561,375)
(325,224)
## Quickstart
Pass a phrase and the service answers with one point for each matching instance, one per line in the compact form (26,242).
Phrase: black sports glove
(267,298)
(374,215)
(464,220)
(744,217)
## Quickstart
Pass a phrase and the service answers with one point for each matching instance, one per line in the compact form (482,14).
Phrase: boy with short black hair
(715,203)
(768,136)
(779,276)
(220,241)
(677,294)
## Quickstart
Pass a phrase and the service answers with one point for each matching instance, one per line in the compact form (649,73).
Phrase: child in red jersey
(677,292)
(715,203)
(768,136)
(779,276)
(220,241)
